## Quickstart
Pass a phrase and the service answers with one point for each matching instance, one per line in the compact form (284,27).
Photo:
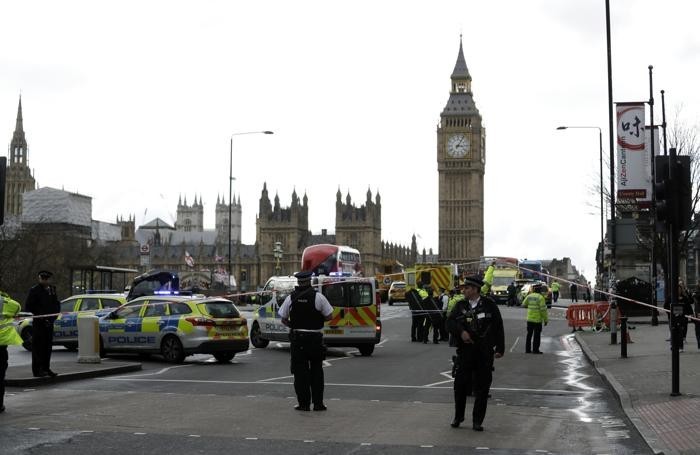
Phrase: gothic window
(461,87)
(188,225)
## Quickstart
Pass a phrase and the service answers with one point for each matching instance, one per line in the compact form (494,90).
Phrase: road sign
(145,248)
(387,280)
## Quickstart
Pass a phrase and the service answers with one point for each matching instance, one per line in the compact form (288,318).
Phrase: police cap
(45,274)
(303,275)
(473,280)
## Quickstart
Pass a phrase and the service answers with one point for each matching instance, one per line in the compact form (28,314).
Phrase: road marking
(514,344)
(252,439)
(274,379)
(140,434)
(194,436)
(427,446)
(33,428)
(335,384)
(161,371)
(365,443)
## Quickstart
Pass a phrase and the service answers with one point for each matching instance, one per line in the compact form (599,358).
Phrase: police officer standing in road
(304,311)
(536,316)
(42,300)
(8,336)
(477,327)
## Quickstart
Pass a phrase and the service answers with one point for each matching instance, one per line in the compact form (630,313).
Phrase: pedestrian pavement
(642,383)
(21,375)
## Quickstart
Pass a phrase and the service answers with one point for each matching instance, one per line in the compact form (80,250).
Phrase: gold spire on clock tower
(461,143)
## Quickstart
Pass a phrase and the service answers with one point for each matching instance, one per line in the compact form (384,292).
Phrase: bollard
(623,334)
(613,321)
(88,339)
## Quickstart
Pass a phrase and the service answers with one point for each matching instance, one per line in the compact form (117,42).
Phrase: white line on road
(161,371)
(334,384)
(514,344)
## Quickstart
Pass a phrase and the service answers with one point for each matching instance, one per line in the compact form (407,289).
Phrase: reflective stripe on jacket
(8,310)
(422,293)
(536,307)
(453,301)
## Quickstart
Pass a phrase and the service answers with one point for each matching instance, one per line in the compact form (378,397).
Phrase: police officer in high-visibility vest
(42,301)
(555,291)
(477,326)
(304,311)
(418,319)
(536,316)
(8,336)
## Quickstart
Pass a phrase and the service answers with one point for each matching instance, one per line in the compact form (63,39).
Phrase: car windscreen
(345,294)
(399,285)
(219,309)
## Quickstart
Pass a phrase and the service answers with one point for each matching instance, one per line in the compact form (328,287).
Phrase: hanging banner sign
(633,161)
(645,202)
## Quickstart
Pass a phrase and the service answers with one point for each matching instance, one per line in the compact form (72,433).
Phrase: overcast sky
(133,103)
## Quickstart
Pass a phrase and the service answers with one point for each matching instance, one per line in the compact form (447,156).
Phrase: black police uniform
(307,347)
(42,300)
(474,361)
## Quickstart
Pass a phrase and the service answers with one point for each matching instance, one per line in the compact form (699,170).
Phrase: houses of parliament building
(160,245)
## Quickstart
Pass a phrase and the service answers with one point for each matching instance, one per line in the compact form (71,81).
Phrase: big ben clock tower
(461,142)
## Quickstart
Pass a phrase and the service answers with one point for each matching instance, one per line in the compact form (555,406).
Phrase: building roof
(49,205)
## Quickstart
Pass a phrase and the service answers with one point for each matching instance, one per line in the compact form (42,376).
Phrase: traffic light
(665,194)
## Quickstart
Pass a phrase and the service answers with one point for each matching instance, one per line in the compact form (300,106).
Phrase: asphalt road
(398,401)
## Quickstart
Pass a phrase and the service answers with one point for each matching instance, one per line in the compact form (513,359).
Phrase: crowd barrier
(594,315)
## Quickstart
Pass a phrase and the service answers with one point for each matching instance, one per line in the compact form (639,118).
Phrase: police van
(356,312)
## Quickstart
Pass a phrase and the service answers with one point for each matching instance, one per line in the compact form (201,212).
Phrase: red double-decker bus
(326,259)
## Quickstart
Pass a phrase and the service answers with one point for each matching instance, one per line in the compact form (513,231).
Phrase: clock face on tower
(457,145)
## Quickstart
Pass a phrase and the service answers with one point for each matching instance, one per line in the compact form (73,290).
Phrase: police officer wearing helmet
(8,336)
(477,327)
(536,316)
(305,311)
(42,300)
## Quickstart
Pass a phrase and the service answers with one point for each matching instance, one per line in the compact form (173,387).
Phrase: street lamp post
(602,210)
(230,192)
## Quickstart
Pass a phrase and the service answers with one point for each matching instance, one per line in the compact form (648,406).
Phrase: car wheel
(366,349)
(224,357)
(172,350)
(391,302)
(256,337)
(27,338)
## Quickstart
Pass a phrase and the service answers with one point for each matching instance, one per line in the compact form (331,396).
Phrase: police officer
(418,316)
(8,336)
(304,311)
(536,316)
(476,324)
(42,300)
(555,291)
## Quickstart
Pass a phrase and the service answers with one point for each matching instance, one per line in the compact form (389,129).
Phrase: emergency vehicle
(437,276)
(65,327)
(175,326)
(356,312)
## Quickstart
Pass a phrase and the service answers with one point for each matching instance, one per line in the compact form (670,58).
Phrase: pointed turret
(461,72)
(18,146)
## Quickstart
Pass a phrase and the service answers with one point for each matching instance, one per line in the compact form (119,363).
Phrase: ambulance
(356,312)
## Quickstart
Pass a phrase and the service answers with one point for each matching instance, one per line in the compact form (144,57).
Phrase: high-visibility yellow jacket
(488,281)
(8,310)
(555,287)
(453,301)
(536,308)
(422,293)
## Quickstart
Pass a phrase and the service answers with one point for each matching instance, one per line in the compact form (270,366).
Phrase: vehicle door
(66,322)
(155,318)
(120,328)
(269,319)
(336,294)
(361,310)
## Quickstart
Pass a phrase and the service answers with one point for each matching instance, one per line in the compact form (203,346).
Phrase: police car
(65,328)
(355,321)
(175,326)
